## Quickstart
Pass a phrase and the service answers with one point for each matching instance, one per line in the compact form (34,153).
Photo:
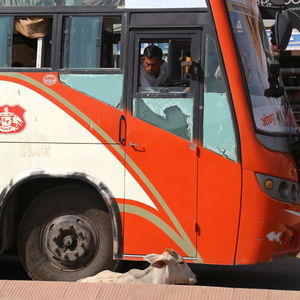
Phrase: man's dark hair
(153,51)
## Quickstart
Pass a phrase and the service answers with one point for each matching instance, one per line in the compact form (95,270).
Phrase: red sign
(11,119)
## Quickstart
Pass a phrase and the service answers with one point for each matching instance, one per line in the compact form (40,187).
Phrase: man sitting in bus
(153,69)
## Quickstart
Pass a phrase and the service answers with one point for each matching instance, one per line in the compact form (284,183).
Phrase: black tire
(65,235)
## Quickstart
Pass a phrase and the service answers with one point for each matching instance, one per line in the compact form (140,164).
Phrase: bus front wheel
(65,235)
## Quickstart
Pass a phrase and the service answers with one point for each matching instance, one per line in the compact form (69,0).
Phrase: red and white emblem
(49,79)
(11,119)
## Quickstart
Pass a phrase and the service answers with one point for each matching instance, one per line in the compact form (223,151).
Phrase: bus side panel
(65,132)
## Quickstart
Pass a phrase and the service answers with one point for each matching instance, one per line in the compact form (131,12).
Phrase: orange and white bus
(96,169)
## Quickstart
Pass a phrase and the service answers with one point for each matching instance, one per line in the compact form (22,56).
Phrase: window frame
(132,67)
(57,15)
(53,45)
(159,94)
(58,58)
(192,34)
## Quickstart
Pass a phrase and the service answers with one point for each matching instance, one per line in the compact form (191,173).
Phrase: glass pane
(27,3)
(174,115)
(97,86)
(271,114)
(82,42)
(163,66)
(93,2)
(5,41)
(91,42)
(218,129)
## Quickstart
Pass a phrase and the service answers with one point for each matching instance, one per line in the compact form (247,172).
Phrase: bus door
(160,149)
(219,168)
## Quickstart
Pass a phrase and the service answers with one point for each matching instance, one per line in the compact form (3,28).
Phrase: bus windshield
(271,115)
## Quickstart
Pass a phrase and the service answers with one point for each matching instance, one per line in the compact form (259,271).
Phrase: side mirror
(195,70)
(283,29)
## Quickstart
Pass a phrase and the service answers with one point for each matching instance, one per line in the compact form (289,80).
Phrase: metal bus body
(96,169)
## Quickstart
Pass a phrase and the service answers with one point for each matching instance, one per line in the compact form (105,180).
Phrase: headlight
(279,188)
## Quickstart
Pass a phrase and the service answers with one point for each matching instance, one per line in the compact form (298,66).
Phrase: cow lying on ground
(167,268)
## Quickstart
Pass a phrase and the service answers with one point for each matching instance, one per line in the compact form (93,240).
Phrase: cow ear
(150,258)
(159,263)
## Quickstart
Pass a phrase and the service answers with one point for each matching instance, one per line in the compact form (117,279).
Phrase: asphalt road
(283,274)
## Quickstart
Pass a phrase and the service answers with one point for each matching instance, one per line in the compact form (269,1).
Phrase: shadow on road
(282,274)
(11,268)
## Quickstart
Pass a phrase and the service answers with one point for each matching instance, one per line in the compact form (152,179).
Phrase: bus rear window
(91,42)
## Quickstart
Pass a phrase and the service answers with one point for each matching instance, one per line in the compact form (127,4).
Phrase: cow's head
(176,270)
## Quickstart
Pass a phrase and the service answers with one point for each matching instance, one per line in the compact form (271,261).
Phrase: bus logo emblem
(11,119)
(49,79)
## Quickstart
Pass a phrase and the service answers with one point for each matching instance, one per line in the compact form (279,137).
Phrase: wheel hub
(69,241)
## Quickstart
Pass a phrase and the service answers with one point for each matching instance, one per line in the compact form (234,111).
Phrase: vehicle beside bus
(97,168)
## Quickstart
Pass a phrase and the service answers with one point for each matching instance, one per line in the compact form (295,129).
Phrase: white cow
(167,268)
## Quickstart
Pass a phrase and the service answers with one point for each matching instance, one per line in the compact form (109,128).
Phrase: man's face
(152,65)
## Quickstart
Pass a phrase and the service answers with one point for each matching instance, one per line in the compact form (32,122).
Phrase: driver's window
(164,65)
(163,95)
